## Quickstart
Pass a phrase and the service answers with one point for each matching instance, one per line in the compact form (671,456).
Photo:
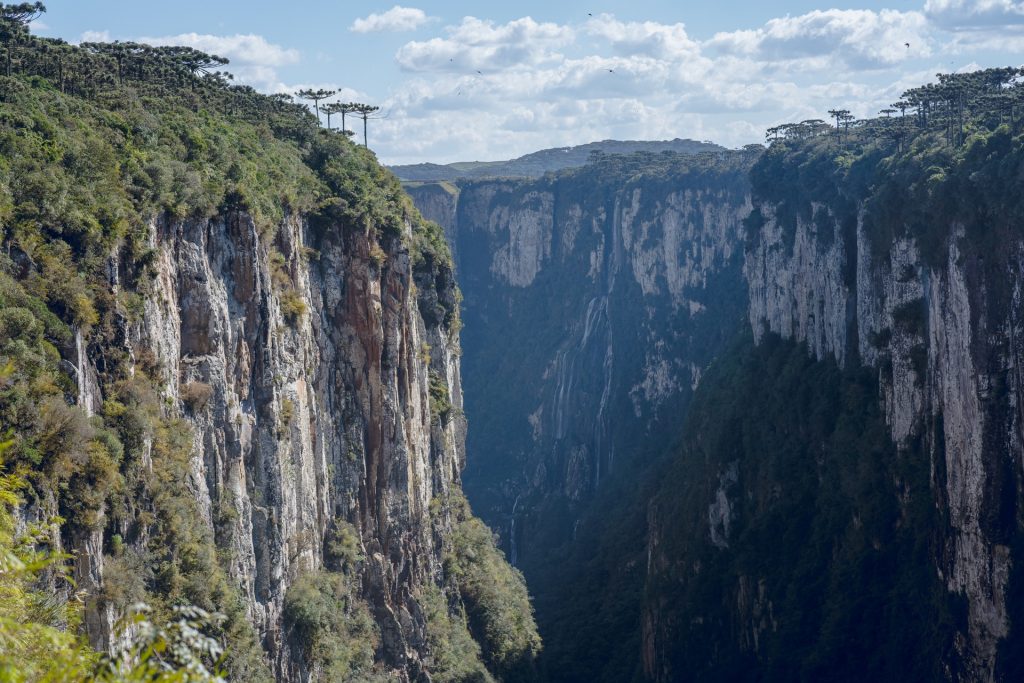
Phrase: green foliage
(39,639)
(293,306)
(454,655)
(830,524)
(440,400)
(498,607)
(331,626)
(342,545)
(955,162)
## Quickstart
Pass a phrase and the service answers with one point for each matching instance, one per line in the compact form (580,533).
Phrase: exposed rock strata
(312,417)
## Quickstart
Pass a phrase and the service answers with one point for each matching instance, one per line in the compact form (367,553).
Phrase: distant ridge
(536,164)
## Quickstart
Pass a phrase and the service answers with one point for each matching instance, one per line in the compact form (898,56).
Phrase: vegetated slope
(232,379)
(790,539)
(536,164)
(782,537)
(897,245)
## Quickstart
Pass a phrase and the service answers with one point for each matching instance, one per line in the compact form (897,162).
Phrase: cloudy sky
(459,80)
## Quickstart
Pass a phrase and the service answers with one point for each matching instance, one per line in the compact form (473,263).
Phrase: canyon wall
(601,295)
(304,418)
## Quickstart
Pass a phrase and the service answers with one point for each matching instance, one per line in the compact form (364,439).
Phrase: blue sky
(464,80)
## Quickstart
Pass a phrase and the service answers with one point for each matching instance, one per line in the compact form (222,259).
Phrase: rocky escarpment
(306,418)
(945,350)
(230,378)
(934,309)
(602,295)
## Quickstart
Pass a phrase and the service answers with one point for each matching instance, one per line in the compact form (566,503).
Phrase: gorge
(747,414)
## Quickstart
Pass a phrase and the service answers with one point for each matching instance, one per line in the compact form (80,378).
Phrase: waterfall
(513,546)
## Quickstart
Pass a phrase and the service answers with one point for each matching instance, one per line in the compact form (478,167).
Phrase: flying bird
(907,44)
(611,71)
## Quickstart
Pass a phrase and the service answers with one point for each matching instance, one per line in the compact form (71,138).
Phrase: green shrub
(498,607)
(293,306)
(327,621)
(454,655)
(440,401)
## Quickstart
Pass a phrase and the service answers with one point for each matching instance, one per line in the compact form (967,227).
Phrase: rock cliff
(232,368)
(601,294)
(942,338)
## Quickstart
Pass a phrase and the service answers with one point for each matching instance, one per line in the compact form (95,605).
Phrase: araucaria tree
(334,108)
(316,96)
(14,21)
(364,111)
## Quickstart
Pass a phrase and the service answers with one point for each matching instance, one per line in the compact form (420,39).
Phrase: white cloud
(485,90)
(94,37)
(860,39)
(397,18)
(481,45)
(248,49)
(649,38)
(253,59)
(968,14)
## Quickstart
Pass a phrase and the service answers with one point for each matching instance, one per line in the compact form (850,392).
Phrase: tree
(364,111)
(335,108)
(316,96)
(14,21)
(346,108)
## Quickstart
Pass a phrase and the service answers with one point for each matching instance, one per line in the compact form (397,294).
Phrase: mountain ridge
(536,164)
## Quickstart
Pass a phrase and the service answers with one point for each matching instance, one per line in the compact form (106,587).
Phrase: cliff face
(943,338)
(852,458)
(602,298)
(872,270)
(310,420)
(230,373)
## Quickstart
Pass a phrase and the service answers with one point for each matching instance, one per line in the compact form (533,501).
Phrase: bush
(498,606)
(196,395)
(440,400)
(454,655)
(326,621)
(293,307)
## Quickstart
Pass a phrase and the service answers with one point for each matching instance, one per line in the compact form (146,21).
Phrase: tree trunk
(364,131)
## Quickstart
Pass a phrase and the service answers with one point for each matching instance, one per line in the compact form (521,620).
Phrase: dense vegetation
(824,573)
(38,638)
(824,568)
(498,607)
(954,156)
(97,142)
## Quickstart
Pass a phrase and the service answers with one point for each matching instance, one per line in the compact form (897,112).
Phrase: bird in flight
(611,71)
(907,44)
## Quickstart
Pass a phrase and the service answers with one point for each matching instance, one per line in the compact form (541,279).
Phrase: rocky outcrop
(303,361)
(438,202)
(943,335)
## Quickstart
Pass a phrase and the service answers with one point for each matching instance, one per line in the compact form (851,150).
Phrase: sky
(466,81)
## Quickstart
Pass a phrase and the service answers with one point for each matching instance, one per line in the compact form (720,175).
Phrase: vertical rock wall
(312,414)
(944,338)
